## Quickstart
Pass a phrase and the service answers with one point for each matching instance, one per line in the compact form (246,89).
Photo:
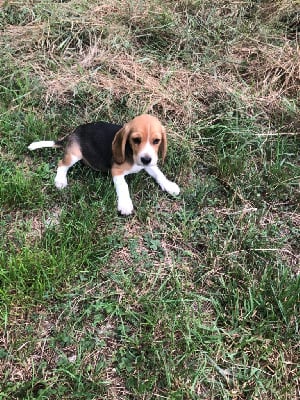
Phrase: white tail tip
(41,144)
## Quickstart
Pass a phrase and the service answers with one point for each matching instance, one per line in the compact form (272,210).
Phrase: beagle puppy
(121,149)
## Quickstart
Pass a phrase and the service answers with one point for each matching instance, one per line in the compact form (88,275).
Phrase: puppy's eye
(156,141)
(136,140)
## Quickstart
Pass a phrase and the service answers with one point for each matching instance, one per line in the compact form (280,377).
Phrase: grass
(190,298)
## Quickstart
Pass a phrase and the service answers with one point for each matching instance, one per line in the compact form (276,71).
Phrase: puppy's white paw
(61,183)
(170,187)
(125,206)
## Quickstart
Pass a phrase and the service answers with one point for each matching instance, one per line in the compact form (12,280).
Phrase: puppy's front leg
(169,186)
(125,206)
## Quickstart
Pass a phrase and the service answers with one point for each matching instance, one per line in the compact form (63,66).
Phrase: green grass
(194,297)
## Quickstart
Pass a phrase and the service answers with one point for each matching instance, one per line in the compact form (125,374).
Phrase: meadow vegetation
(195,297)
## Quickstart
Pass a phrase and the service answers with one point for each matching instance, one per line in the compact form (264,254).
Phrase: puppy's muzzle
(146,160)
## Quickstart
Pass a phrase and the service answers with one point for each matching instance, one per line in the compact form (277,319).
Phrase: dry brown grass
(89,49)
(269,68)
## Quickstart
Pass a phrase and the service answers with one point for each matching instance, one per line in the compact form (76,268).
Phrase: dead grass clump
(14,12)
(269,67)
(97,64)
(272,74)
(24,37)
(282,13)
(64,29)
(154,26)
(174,91)
(82,53)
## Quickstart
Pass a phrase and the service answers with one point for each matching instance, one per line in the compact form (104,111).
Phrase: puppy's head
(145,136)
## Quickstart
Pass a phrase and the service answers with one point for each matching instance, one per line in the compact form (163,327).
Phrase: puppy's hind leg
(67,162)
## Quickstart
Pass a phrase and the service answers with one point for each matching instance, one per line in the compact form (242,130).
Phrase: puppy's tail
(45,143)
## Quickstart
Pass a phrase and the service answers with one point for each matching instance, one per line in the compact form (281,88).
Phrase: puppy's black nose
(146,160)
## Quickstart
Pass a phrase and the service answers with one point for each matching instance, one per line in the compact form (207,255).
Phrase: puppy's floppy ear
(163,144)
(119,144)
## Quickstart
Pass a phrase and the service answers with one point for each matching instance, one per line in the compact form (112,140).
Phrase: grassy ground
(190,298)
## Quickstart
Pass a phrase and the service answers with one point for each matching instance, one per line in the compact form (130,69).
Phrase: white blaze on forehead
(147,151)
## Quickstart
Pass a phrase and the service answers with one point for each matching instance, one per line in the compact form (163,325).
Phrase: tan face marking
(145,139)
(146,136)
